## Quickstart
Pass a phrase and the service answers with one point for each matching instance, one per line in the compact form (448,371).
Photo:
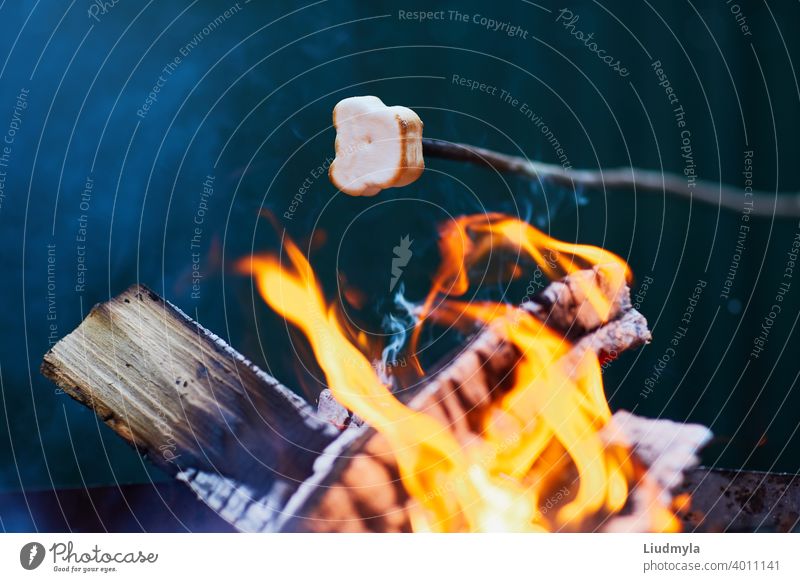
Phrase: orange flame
(538,440)
(470,239)
(428,455)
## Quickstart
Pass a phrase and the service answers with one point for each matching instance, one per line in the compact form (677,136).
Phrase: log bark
(191,404)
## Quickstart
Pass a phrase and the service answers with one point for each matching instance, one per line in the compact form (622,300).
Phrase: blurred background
(146,142)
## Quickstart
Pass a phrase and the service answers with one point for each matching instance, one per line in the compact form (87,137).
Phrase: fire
(541,439)
(471,239)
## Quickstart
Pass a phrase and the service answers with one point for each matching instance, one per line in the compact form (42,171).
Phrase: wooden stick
(772,204)
(194,406)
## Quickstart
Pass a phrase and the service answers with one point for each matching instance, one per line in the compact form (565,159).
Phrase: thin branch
(781,205)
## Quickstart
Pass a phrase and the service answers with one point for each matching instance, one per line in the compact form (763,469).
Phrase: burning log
(256,453)
(359,489)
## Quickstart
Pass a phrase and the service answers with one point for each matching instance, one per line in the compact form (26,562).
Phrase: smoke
(397,326)
(542,206)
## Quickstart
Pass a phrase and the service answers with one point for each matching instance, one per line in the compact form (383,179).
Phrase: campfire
(546,438)
(513,433)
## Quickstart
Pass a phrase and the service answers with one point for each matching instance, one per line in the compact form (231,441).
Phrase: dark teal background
(257,93)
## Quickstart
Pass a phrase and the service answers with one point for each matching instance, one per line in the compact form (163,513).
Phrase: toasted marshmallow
(377,146)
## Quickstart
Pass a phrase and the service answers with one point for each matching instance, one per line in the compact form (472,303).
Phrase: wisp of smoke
(397,325)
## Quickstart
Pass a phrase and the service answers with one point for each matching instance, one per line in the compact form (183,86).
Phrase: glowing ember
(541,440)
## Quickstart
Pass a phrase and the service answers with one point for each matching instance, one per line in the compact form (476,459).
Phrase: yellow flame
(540,440)
(434,469)
(469,239)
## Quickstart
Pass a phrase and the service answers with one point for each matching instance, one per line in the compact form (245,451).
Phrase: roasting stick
(369,133)
(651,181)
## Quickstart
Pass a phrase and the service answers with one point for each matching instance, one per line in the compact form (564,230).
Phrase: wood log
(191,404)
(250,448)
(341,496)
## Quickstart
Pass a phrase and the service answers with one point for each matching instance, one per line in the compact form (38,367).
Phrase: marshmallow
(377,146)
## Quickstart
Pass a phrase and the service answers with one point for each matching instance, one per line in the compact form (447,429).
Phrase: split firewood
(329,410)
(459,396)
(667,449)
(248,447)
(565,304)
(194,406)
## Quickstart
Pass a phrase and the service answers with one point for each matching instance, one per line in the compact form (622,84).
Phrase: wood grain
(190,403)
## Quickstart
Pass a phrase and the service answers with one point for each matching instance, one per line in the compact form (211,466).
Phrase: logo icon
(402,254)
(31,555)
